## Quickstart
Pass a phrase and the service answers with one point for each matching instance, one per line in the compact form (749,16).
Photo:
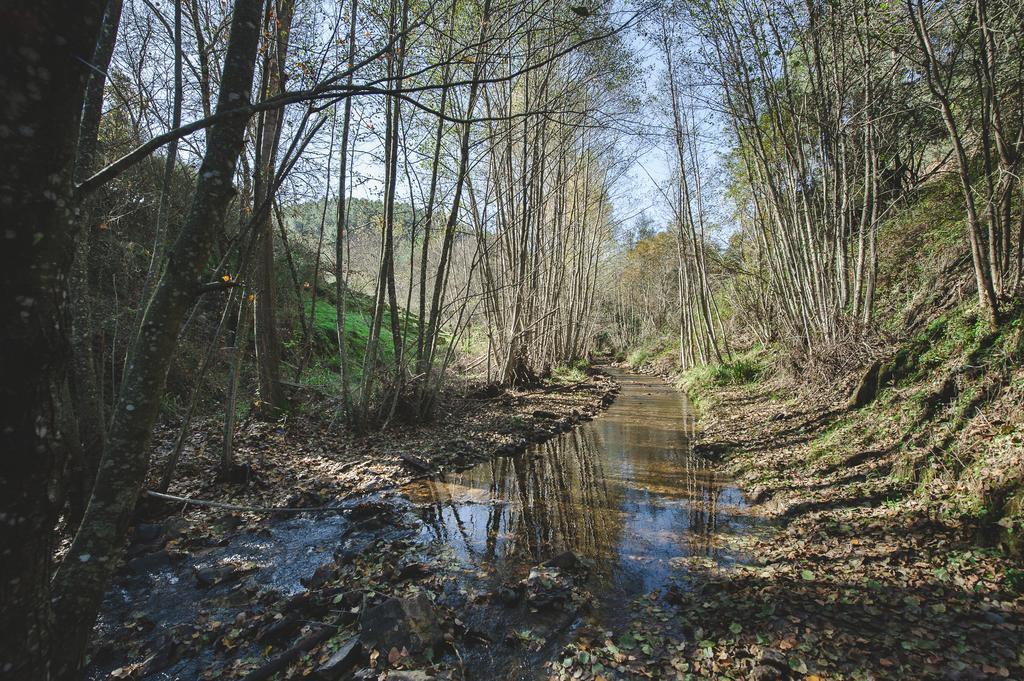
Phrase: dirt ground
(192,601)
(852,576)
(309,462)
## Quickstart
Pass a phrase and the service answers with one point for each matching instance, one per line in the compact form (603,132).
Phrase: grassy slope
(325,372)
(948,408)
(358,317)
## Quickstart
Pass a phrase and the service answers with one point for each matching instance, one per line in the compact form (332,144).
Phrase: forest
(515,339)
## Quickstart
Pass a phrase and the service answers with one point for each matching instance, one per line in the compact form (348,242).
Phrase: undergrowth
(740,369)
(572,372)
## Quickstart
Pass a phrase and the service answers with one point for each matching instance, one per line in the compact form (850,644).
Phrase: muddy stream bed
(521,553)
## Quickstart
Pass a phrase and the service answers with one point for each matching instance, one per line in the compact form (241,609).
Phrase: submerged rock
(410,623)
(547,587)
(567,560)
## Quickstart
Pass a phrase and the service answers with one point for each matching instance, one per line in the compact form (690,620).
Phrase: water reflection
(624,491)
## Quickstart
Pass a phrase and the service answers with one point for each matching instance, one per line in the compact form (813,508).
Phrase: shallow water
(624,492)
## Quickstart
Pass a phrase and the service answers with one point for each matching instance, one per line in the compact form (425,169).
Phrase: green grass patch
(358,320)
(742,369)
(572,372)
(660,349)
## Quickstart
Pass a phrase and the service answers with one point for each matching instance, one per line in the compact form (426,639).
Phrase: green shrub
(636,358)
(737,372)
(572,372)
(743,369)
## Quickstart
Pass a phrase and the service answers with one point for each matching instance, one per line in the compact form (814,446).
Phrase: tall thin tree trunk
(268,342)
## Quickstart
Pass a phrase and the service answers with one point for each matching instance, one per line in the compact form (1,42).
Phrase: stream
(624,493)
(622,498)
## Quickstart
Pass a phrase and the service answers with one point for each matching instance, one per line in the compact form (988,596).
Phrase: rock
(166,652)
(867,388)
(210,576)
(763,672)
(711,450)
(567,560)
(241,594)
(206,577)
(341,661)
(508,597)
(373,524)
(237,473)
(415,462)
(299,601)
(409,675)
(546,587)
(352,598)
(412,571)
(410,623)
(229,522)
(303,499)
(146,533)
(150,563)
(176,528)
(323,574)
(104,653)
(993,618)
(969,674)
(368,509)
(280,630)
(773,658)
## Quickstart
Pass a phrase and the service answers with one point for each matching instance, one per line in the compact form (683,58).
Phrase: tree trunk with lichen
(83,577)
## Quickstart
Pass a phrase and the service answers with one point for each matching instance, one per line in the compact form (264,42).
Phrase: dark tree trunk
(88,404)
(92,107)
(83,577)
(45,47)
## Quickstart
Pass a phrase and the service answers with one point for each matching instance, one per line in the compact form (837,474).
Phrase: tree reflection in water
(624,491)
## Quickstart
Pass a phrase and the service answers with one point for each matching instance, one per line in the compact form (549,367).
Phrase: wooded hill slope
(931,401)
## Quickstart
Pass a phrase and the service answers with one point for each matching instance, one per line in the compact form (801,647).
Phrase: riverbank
(213,592)
(862,577)
(309,460)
